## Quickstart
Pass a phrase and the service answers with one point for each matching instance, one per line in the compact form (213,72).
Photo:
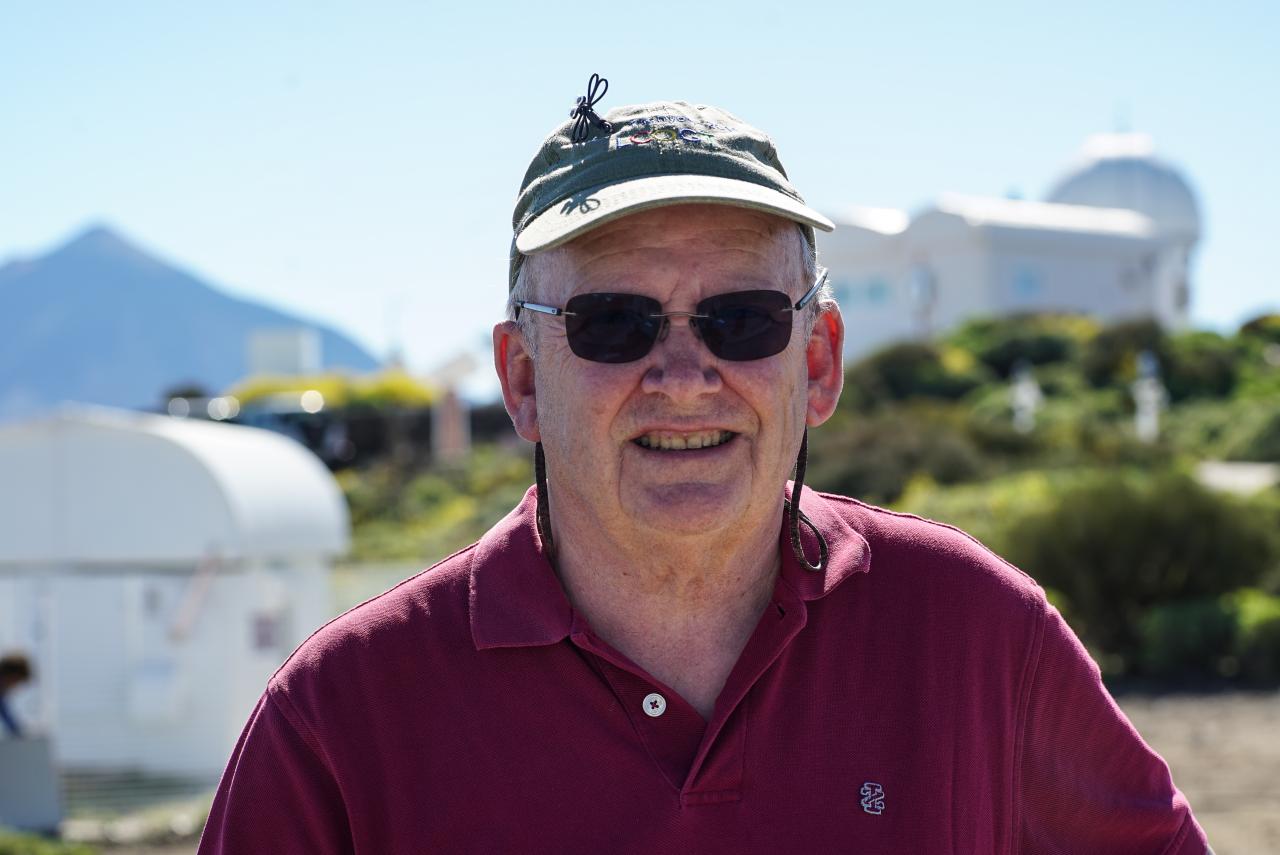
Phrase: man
(15,670)
(658,650)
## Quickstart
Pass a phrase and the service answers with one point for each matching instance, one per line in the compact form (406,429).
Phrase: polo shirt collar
(849,553)
(516,599)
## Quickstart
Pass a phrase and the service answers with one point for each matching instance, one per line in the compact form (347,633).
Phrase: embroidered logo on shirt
(873,798)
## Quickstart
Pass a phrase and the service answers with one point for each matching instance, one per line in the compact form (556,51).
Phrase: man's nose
(682,368)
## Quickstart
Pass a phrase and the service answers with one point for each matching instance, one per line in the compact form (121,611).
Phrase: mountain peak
(98,237)
(102,320)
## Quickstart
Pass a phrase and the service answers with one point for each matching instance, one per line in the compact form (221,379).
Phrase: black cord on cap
(544,504)
(584,112)
(795,516)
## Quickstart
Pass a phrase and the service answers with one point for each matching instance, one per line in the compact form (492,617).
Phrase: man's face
(603,426)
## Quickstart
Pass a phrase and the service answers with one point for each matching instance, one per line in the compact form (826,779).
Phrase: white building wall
(1113,240)
(120,692)
(1109,278)
(868,276)
(943,271)
(958,270)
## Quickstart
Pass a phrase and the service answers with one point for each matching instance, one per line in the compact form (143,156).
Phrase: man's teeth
(681,441)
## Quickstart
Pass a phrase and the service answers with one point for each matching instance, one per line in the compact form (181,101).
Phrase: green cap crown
(661,153)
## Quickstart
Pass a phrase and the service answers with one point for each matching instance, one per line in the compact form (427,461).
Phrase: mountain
(99,320)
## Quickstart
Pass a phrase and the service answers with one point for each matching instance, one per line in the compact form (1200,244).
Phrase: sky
(357,163)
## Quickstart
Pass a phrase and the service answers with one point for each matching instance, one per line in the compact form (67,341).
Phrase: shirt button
(654,705)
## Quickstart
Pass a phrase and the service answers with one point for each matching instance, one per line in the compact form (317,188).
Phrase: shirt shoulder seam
(903,515)
(364,603)
(284,706)
(1030,667)
(1181,837)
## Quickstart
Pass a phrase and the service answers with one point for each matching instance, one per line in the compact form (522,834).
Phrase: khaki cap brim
(584,211)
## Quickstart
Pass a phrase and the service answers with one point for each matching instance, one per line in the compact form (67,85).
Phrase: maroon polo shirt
(919,696)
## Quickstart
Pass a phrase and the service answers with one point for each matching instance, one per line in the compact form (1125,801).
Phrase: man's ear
(825,359)
(514,365)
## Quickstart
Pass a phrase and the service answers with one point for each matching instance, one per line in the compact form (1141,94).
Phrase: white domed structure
(1120,171)
(1114,239)
(158,570)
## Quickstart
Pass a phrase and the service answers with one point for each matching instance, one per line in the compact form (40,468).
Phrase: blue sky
(357,163)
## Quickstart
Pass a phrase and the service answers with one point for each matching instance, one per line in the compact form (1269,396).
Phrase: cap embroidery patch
(666,131)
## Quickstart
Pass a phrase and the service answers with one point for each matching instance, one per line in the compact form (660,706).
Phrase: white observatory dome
(1120,171)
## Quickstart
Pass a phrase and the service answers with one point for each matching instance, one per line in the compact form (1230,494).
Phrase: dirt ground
(1224,751)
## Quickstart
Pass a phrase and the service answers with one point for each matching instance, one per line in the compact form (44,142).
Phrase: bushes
(1189,641)
(1233,636)
(874,457)
(1119,546)
(13,843)
(1264,328)
(1257,637)
(1243,429)
(912,370)
(1201,365)
(1041,339)
(406,516)
(1110,358)
(1165,581)
(390,388)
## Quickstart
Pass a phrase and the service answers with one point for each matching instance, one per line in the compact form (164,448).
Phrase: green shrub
(1258,636)
(1189,640)
(985,509)
(1265,328)
(13,843)
(874,457)
(1241,429)
(400,515)
(1110,358)
(1037,339)
(389,388)
(1122,543)
(1201,365)
(912,370)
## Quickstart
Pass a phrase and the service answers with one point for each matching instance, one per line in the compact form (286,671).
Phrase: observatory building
(1112,240)
(157,571)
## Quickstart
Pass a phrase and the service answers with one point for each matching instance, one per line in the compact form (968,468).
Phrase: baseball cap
(591,170)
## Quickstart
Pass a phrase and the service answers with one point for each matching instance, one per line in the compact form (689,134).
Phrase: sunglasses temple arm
(813,290)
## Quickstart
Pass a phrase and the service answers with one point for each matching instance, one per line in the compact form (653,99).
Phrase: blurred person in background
(15,670)
(668,647)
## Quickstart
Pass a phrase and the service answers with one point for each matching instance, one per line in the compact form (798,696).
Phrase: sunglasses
(738,325)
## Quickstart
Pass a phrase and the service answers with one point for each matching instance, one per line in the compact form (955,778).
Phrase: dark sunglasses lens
(745,325)
(612,327)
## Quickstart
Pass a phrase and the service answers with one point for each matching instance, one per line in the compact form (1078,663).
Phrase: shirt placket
(702,760)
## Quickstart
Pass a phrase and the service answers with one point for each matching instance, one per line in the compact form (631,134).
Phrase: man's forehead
(715,234)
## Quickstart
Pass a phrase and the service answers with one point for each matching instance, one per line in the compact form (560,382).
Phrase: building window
(843,291)
(873,292)
(1026,284)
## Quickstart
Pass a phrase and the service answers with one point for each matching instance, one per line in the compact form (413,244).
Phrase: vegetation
(392,388)
(1165,580)
(14,843)
(422,517)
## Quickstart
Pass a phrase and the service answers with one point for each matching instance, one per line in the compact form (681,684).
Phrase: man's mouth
(668,441)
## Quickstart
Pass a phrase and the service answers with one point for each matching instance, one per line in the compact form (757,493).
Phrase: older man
(666,647)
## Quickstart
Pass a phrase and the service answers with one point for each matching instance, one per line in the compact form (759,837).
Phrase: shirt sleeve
(277,795)
(1088,783)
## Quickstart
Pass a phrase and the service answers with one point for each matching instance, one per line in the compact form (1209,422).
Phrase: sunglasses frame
(560,312)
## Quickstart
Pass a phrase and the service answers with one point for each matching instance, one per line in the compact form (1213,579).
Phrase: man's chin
(691,509)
